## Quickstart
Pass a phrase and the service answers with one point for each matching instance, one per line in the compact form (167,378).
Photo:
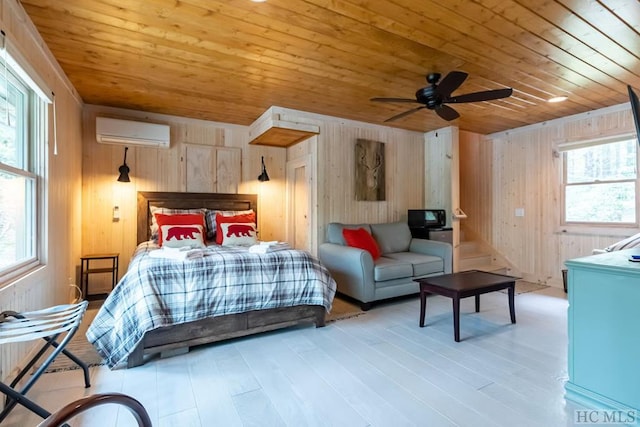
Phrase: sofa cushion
(334,231)
(361,238)
(392,237)
(389,269)
(421,264)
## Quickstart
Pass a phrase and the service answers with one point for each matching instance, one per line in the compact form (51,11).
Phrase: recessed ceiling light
(558,99)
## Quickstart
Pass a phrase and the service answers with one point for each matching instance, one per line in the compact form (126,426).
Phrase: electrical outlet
(519,211)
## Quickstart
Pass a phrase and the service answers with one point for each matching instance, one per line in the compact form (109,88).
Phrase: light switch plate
(519,211)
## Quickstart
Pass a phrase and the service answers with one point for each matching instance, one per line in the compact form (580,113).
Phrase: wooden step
(472,256)
(492,268)
(473,262)
(469,248)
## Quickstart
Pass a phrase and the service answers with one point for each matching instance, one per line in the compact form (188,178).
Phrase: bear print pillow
(238,233)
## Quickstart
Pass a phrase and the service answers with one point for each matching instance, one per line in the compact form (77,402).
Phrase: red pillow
(244,218)
(178,219)
(360,238)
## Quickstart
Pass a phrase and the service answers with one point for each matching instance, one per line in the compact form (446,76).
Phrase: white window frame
(35,164)
(607,228)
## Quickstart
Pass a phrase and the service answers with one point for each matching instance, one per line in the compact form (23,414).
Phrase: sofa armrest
(434,248)
(351,268)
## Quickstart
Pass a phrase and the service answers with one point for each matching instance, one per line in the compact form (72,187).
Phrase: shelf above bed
(270,129)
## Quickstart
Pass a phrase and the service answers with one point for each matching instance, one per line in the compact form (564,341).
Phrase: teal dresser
(604,331)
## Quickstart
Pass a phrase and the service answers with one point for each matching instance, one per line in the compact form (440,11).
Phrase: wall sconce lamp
(263,176)
(124,169)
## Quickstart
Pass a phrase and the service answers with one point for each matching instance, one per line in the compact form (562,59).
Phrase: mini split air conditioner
(127,132)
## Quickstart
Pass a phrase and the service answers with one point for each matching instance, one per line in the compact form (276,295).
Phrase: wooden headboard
(219,201)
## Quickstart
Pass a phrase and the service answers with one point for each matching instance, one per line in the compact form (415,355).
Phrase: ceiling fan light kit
(436,96)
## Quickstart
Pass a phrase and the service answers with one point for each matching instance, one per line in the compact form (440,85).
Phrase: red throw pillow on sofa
(360,238)
(244,218)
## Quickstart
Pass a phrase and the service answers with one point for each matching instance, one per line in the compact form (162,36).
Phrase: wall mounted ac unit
(127,132)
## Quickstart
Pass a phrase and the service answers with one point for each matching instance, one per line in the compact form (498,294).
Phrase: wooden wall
(334,151)
(332,189)
(476,185)
(48,285)
(159,169)
(526,173)
(442,179)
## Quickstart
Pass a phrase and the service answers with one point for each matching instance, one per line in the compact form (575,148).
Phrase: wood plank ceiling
(228,61)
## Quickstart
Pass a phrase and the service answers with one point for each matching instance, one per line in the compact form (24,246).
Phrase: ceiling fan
(435,96)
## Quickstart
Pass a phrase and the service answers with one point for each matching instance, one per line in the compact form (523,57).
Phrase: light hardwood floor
(379,369)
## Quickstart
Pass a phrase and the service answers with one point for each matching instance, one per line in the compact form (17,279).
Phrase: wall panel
(332,189)
(527,174)
(404,158)
(155,169)
(62,239)
(476,191)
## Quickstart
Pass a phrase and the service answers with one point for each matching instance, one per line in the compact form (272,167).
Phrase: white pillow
(179,236)
(238,233)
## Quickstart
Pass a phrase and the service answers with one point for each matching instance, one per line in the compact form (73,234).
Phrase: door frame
(291,166)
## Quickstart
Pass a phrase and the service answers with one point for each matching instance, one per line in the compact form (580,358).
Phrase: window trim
(600,228)
(36,129)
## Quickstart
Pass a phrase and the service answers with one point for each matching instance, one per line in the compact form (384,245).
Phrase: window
(600,181)
(22,129)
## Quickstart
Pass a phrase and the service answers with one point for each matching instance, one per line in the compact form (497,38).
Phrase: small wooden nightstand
(86,270)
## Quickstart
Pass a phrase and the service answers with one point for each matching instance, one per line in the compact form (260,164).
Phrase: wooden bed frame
(178,338)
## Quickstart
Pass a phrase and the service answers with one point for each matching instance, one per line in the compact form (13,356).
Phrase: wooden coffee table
(462,285)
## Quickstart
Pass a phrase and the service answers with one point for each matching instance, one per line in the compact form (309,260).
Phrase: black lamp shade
(263,176)
(124,169)
(124,173)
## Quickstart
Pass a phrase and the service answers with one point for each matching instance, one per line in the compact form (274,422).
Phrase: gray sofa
(403,259)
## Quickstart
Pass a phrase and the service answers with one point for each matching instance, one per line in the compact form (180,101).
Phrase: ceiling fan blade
(447,113)
(393,100)
(451,82)
(486,95)
(406,113)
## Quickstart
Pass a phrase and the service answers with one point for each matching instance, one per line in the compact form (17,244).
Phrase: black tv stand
(442,234)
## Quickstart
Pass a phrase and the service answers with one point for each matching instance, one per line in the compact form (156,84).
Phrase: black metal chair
(47,324)
(74,408)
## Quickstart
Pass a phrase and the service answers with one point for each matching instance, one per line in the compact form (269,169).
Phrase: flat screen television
(635,110)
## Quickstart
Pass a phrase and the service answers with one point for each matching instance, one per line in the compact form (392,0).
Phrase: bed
(140,318)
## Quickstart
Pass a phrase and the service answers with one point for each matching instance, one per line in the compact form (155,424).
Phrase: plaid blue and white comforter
(160,292)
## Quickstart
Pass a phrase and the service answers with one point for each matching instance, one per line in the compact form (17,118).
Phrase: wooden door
(211,169)
(298,179)
(228,168)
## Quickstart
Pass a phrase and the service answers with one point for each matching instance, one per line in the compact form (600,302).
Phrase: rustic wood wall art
(369,159)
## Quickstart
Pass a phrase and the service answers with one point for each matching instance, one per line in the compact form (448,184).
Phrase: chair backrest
(392,237)
(76,407)
(31,325)
(628,243)
(334,231)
